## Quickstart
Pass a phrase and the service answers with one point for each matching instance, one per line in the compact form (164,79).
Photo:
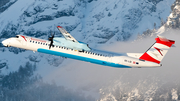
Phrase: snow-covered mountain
(88,21)
(96,22)
(93,21)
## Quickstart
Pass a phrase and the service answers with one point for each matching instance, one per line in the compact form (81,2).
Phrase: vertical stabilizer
(157,52)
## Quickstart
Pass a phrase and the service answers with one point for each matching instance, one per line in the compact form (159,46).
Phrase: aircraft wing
(66,34)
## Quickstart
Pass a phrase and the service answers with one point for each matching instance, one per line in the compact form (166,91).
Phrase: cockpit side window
(17,36)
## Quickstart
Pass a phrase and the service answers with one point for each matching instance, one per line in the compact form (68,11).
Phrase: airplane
(69,47)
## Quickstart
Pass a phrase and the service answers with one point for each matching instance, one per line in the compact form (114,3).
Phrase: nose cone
(5,43)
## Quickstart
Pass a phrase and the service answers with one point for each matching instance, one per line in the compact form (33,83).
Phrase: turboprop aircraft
(71,48)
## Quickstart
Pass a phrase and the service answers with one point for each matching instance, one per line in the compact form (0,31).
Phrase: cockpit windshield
(17,36)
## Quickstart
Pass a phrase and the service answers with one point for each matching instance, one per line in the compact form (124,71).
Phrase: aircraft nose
(5,42)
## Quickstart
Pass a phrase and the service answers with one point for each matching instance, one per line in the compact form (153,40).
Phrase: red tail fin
(158,50)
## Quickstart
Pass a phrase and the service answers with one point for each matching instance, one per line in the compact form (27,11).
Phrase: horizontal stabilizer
(164,41)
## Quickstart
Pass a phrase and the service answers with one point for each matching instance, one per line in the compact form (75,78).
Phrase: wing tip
(59,26)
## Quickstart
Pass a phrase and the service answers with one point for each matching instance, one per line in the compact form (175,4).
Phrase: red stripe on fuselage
(23,37)
(38,40)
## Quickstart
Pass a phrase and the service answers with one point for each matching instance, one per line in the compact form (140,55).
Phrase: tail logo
(159,50)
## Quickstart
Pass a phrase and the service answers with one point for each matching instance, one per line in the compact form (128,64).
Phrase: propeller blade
(51,39)
(52,35)
(50,44)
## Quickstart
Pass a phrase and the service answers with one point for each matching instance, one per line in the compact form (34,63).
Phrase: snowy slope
(95,22)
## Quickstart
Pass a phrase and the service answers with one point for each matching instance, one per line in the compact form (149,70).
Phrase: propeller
(51,39)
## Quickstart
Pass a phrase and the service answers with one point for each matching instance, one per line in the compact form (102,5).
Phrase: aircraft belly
(82,58)
(134,62)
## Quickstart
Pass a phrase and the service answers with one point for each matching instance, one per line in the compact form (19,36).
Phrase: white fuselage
(119,60)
